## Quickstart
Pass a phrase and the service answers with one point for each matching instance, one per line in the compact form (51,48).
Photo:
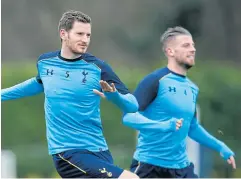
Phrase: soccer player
(73,81)
(165,94)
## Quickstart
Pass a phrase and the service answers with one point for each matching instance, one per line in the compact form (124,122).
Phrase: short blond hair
(170,33)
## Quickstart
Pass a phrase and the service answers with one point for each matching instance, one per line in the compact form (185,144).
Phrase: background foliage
(23,123)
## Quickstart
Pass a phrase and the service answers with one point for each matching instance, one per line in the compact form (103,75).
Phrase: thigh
(144,170)
(79,164)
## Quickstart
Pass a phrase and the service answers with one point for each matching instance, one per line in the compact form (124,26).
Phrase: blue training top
(72,109)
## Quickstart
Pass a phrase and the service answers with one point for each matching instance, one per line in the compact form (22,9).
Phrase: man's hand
(105,88)
(176,124)
(231,161)
(179,123)
(228,155)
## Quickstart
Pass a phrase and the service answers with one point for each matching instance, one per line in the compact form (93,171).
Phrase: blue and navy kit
(163,97)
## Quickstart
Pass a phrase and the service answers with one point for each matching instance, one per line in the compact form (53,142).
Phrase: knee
(128,174)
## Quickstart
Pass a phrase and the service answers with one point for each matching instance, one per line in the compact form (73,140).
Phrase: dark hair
(68,18)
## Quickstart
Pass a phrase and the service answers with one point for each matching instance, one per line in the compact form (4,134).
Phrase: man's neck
(177,69)
(66,53)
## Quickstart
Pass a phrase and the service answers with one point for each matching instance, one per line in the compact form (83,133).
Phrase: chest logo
(84,73)
(172,89)
(51,72)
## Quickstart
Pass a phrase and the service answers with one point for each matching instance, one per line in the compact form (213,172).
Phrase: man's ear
(63,34)
(169,52)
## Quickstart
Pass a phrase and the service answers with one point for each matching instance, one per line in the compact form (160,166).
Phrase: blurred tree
(190,17)
(229,10)
(127,29)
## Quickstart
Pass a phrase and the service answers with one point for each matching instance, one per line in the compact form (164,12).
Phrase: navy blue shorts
(144,170)
(85,164)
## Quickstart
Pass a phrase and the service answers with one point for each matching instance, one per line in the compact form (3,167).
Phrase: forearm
(27,88)
(127,102)
(140,122)
(200,135)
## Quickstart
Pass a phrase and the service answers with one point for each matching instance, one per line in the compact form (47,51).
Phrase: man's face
(77,39)
(183,50)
